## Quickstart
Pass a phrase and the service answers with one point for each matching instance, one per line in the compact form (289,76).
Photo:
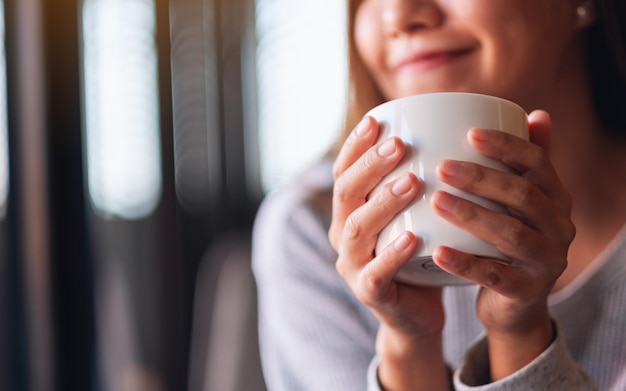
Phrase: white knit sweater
(315,335)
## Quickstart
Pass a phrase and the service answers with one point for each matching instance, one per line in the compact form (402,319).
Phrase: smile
(426,61)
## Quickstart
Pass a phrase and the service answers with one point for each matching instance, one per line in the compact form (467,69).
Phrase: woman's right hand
(412,318)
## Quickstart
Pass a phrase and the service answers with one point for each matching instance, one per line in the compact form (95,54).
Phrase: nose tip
(403,16)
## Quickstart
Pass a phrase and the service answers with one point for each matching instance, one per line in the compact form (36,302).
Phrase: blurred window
(121,107)
(195,103)
(302,73)
(4,151)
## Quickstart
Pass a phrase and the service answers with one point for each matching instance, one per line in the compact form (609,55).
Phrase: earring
(585,12)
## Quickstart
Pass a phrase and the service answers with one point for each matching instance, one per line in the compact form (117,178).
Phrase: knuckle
(524,193)
(569,231)
(363,295)
(467,212)
(351,229)
(471,176)
(505,142)
(341,267)
(370,287)
(476,175)
(515,233)
(492,279)
(367,161)
(565,230)
(340,190)
(379,202)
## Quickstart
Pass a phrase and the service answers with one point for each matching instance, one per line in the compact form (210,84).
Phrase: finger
(352,188)
(530,160)
(374,285)
(513,151)
(359,140)
(511,236)
(518,281)
(523,198)
(507,280)
(364,225)
(540,129)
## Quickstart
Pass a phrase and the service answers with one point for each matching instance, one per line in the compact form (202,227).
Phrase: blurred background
(137,139)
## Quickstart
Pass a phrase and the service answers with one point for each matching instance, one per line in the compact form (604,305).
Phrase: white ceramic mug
(434,127)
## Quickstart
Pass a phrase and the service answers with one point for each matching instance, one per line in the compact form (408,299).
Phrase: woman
(331,315)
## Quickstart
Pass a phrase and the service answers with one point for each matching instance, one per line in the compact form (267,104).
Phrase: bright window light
(4,150)
(121,107)
(301,72)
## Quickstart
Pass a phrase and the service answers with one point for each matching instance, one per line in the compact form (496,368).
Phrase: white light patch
(121,107)
(302,76)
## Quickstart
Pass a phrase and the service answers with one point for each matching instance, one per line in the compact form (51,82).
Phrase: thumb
(540,128)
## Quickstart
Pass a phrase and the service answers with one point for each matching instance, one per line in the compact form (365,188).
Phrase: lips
(426,60)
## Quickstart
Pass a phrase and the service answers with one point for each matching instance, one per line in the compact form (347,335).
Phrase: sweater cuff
(372,375)
(554,369)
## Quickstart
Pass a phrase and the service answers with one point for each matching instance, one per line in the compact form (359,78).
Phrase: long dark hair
(607,61)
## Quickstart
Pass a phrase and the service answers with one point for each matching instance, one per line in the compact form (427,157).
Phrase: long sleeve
(313,334)
(554,369)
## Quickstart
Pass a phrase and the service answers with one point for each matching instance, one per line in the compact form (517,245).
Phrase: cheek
(523,56)
(367,38)
(518,76)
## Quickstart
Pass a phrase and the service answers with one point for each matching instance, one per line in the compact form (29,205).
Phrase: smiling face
(516,49)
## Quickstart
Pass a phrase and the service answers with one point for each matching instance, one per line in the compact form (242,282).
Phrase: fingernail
(402,242)
(450,167)
(362,127)
(445,201)
(387,148)
(445,256)
(401,186)
(479,134)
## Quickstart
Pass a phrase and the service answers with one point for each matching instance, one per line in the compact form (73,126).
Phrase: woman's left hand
(512,303)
